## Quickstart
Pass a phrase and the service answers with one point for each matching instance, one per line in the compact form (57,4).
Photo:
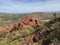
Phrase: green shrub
(26,32)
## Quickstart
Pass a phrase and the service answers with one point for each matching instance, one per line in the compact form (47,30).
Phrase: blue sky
(26,6)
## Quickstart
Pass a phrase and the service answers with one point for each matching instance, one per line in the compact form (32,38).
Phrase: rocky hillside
(8,18)
(30,31)
(22,24)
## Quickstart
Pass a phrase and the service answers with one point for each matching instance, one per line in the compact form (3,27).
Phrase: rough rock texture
(24,23)
(27,21)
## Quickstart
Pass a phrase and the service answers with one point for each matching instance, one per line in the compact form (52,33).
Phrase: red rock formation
(24,23)
(27,21)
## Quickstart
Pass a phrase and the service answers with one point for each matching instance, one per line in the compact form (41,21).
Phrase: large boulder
(28,21)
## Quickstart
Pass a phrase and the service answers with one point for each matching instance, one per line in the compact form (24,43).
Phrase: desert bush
(54,35)
(26,32)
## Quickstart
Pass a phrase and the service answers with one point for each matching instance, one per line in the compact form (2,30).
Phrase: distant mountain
(41,15)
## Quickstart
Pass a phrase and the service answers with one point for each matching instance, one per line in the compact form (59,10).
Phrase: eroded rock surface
(24,23)
(28,21)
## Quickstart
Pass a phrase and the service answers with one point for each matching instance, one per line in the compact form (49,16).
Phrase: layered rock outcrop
(24,23)
(28,21)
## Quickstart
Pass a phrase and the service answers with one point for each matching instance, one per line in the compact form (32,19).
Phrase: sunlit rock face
(28,21)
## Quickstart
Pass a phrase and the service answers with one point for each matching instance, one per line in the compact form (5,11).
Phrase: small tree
(54,16)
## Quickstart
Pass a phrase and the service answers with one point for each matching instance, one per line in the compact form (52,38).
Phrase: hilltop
(30,31)
(9,18)
(24,23)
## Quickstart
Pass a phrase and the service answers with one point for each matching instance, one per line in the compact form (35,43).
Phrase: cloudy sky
(25,6)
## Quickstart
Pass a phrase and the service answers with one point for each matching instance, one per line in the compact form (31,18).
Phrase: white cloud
(9,6)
